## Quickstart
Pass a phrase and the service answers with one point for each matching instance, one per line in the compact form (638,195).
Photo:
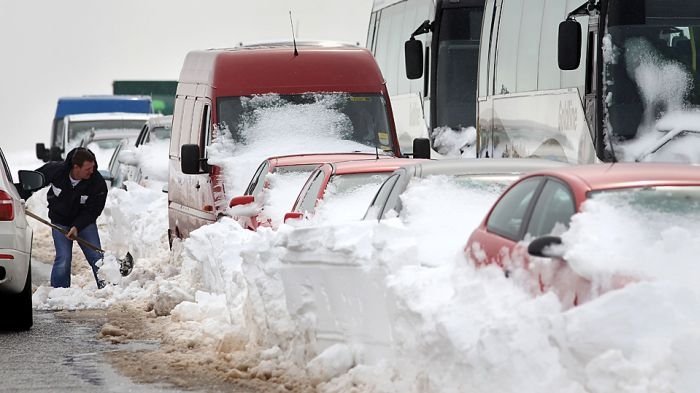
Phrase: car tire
(18,308)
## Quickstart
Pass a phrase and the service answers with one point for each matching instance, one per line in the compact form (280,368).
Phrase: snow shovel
(126,264)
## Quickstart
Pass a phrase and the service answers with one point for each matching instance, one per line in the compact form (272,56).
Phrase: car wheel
(18,308)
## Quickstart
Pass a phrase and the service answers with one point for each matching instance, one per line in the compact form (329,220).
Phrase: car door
(551,215)
(495,241)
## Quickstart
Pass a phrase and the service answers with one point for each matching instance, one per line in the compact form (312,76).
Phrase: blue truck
(87,104)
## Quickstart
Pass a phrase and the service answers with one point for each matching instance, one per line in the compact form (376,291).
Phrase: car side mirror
(569,45)
(413,52)
(31,180)
(545,247)
(293,216)
(128,157)
(241,200)
(421,148)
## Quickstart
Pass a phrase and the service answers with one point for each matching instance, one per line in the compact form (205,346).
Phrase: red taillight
(7,211)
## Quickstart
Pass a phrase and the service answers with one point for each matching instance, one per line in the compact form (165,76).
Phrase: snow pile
(152,160)
(279,198)
(455,143)
(394,306)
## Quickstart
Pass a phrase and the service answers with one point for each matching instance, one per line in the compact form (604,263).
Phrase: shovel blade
(126,265)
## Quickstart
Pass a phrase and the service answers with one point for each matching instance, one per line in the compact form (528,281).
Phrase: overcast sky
(75,47)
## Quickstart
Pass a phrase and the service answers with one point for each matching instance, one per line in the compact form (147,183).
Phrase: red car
(300,165)
(346,188)
(542,203)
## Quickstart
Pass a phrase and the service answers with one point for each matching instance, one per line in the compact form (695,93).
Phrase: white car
(145,162)
(15,249)
(469,173)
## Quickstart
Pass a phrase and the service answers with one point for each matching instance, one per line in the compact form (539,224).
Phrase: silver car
(15,248)
(499,171)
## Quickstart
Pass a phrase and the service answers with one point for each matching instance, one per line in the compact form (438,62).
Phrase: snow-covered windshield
(347,196)
(662,199)
(360,118)
(651,70)
(77,130)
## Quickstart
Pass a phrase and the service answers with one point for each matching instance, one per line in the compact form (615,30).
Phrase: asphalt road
(62,355)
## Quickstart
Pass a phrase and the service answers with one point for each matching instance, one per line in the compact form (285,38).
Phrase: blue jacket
(77,206)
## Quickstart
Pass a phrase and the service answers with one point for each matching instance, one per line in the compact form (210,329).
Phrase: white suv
(15,248)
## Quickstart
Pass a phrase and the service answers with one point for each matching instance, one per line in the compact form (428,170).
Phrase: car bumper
(14,267)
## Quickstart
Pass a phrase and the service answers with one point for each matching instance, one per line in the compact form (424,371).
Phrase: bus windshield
(360,118)
(457,62)
(652,60)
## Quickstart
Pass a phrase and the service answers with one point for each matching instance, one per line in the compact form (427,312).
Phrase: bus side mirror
(413,49)
(569,51)
(189,159)
(421,148)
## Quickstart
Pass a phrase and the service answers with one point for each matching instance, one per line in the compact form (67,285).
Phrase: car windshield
(361,118)
(662,199)
(79,129)
(347,196)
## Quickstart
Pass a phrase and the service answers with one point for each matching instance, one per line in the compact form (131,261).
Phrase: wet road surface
(61,355)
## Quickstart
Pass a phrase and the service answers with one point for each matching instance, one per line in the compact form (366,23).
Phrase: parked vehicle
(162,92)
(212,95)
(471,172)
(104,143)
(295,169)
(139,162)
(540,205)
(343,188)
(15,248)
(448,32)
(86,104)
(76,128)
(564,80)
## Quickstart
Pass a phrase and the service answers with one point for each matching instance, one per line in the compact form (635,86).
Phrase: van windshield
(360,118)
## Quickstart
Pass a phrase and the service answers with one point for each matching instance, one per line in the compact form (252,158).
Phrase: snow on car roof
(621,175)
(483,166)
(110,116)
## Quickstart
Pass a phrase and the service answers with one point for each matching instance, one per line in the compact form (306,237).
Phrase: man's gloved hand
(72,233)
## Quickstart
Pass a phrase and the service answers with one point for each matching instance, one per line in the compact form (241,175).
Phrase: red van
(214,91)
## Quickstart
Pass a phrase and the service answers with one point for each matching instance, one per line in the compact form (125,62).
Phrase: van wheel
(18,308)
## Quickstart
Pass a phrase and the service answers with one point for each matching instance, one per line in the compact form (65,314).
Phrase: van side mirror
(41,152)
(421,148)
(189,159)
(569,50)
(413,50)
(542,247)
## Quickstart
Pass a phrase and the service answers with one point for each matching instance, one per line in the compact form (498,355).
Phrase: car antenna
(294,40)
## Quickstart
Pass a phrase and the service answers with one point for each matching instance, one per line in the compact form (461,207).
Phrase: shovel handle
(63,231)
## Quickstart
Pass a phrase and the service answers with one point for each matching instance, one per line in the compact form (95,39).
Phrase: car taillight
(7,211)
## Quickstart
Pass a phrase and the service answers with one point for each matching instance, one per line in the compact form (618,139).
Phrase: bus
(444,96)
(587,80)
